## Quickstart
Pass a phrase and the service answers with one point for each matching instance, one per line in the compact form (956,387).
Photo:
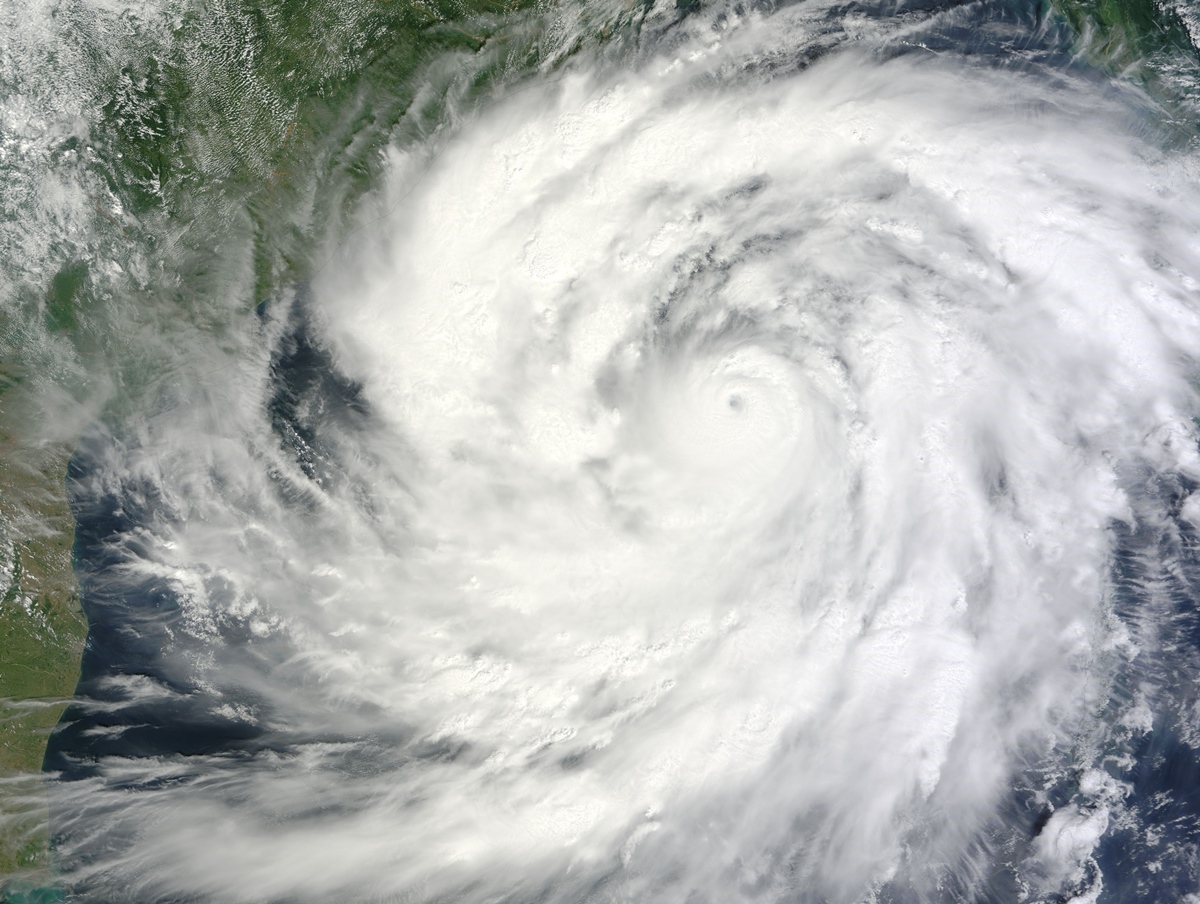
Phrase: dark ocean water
(753,459)
(1150,852)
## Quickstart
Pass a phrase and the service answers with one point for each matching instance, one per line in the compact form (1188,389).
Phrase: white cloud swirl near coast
(727,513)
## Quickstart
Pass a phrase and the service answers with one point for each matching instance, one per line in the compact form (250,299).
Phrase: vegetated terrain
(223,145)
(42,632)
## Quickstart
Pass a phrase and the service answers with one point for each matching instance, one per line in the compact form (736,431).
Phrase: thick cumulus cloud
(701,486)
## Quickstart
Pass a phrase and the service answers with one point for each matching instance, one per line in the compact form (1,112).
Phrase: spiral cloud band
(730,476)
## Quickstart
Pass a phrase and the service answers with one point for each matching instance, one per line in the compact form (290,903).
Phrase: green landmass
(1125,34)
(42,632)
(229,144)
(1148,44)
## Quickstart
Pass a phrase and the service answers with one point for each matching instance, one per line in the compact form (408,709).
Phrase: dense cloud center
(731,503)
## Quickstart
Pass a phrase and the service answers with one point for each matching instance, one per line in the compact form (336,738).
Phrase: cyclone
(759,467)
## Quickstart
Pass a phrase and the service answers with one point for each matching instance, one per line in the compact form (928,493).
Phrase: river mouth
(758,466)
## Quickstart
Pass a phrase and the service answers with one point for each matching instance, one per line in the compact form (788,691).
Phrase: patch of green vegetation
(1146,43)
(42,632)
(228,147)
(39,636)
(229,142)
(268,120)
(1119,34)
(66,291)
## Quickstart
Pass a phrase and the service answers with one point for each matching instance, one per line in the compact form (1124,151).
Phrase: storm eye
(736,403)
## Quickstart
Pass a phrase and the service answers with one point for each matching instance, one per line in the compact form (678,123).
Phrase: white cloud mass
(720,500)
